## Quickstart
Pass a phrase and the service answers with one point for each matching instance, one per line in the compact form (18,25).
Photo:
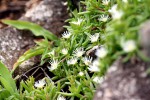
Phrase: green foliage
(41,49)
(8,86)
(49,92)
(36,29)
(110,29)
(27,55)
(27,90)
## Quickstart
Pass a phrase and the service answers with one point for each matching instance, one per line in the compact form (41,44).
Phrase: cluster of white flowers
(116,14)
(66,35)
(101,52)
(79,52)
(105,2)
(94,67)
(81,73)
(78,22)
(54,64)
(129,45)
(64,51)
(103,18)
(61,98)
(98,80)
(72,61)
(40,83)
(87,60)
(94,37)
(125,1)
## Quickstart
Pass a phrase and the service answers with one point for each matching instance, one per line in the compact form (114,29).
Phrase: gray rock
(50,14)
(125,81)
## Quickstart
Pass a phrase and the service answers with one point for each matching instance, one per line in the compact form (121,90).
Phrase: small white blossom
(79,52)
(64,51)
(105,2)
(94,37)
(101,52)
(64,3)
(103,18)
(116,14)
(81,73)
(98,80)
(125,1)
(40,83)
(129,46)
(87,60)
(66,35)
(54,65)
(61,98)
(94,67)
(77,22)
(72,61)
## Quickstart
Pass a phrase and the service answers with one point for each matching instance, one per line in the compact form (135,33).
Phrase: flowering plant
(96,36)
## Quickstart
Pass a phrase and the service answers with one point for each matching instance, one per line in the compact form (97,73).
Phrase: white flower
(72,61)
(116,14)
(129,46)
(94,67)
(125,1)
(64,51)
(81,73)
(61,98)
(101,52)
(64,3)
(87,60)
(79,52)
(54,65)
(40,83)
(98,80)
(66,35)
(103,18)
(105,2)
(77,22)
(94,37)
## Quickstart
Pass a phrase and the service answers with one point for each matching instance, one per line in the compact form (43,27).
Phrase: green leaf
(27,55)
(4,94)
(43,43)
(7,80)
(36,29)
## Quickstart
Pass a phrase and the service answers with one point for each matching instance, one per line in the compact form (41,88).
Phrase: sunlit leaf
(27,55)
(36,29)
(7,80)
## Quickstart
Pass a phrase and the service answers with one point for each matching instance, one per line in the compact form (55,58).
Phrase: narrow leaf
(36,29)
(6,79)
(27,55)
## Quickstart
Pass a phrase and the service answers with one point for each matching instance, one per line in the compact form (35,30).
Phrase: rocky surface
(125,81)
(50,14)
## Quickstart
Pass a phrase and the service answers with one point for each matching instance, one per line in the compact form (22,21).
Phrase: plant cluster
(98,34)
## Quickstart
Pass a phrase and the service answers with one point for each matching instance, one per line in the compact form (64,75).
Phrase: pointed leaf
(6,79)
(36,29)
(27,55)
